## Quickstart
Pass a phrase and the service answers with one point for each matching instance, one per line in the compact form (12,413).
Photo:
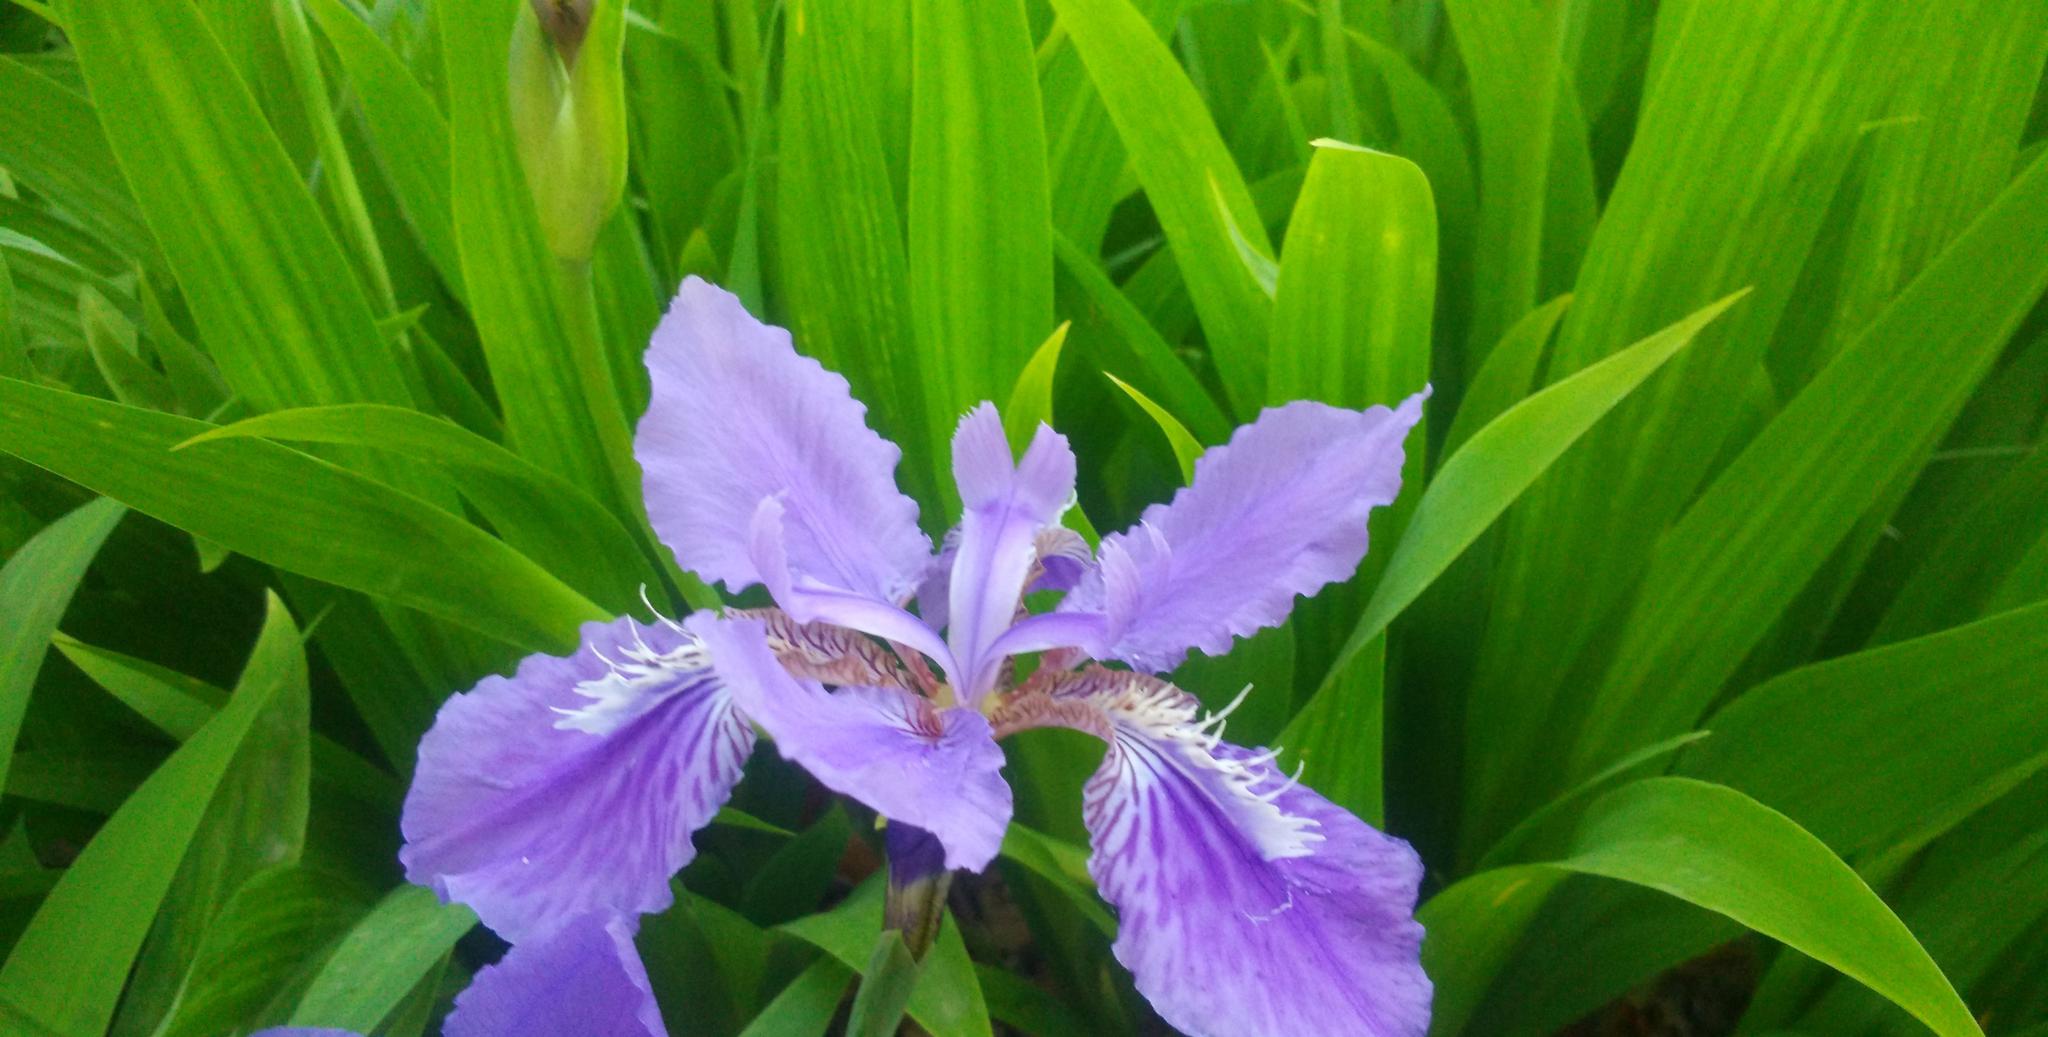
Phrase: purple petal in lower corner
(572,787)
(1248,906)
(937,769)
(585,981)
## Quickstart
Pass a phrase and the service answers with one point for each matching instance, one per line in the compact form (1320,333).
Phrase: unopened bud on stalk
(569,115)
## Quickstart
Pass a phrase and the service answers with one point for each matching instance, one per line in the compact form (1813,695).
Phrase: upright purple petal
(738,416)
(1280,510)
(572,787)
(1006,505)
(808,600)
(586,981)
(1248,905)
(937,769)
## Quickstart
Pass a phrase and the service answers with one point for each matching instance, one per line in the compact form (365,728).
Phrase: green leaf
(1719,849)
(947,1001)
(1514,844)
(14,361)
(1027,1006)
(1984,548)
(1723,574)
(36,586)
(256,819)
(263,940)
(1713,847)
(806,1006)
(540,514)
(845,276)
(1194,187)
(1501,460)
(404,938)
(1872,746)
(1061,864)
(111,340)
(1186,450)
(1351,319)
(1508,373)
(791,882)
(1031,397)
(551,377)
(1154,366)
(295,511)
(1470,930)
(885,987)
(1339,737)
(1511,52)
(179,705)
(1726,185)
(258,266)
(408,133)
(980,222)
(67,970)
(51,140)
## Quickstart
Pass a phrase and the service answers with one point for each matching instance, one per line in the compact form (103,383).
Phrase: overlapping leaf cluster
(1705,657)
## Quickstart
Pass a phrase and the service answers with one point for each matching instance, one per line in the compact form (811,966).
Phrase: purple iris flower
(583,981)
(562,799)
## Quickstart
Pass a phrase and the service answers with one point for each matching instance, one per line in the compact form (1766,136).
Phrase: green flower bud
(569,115)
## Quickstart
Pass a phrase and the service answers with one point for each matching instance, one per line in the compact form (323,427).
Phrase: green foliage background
(1705,658)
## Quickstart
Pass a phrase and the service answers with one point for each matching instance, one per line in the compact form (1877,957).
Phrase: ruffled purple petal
(939,770)
(572,787)
(737,416)
(1248,905)
(586,981)
(1006,505)
(1280,510)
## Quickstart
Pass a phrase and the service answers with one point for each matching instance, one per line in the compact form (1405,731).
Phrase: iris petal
(808,600)
(586,981)
(573,786)
(1007,504)
(939,770)
(737,416)
(1280,510)
(1248,905)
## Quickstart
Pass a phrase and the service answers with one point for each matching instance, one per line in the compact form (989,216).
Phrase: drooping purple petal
(936,769)
(736,416)
(572,787)
(585,981)
(1006,504)
(1247,905)
(1280,510)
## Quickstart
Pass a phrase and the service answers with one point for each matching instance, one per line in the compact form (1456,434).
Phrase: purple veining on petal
(1248,904)
(736,416)
(807,600)
(573,786)
(586,981)
(1281,510)
(938,769)
(1006,504)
